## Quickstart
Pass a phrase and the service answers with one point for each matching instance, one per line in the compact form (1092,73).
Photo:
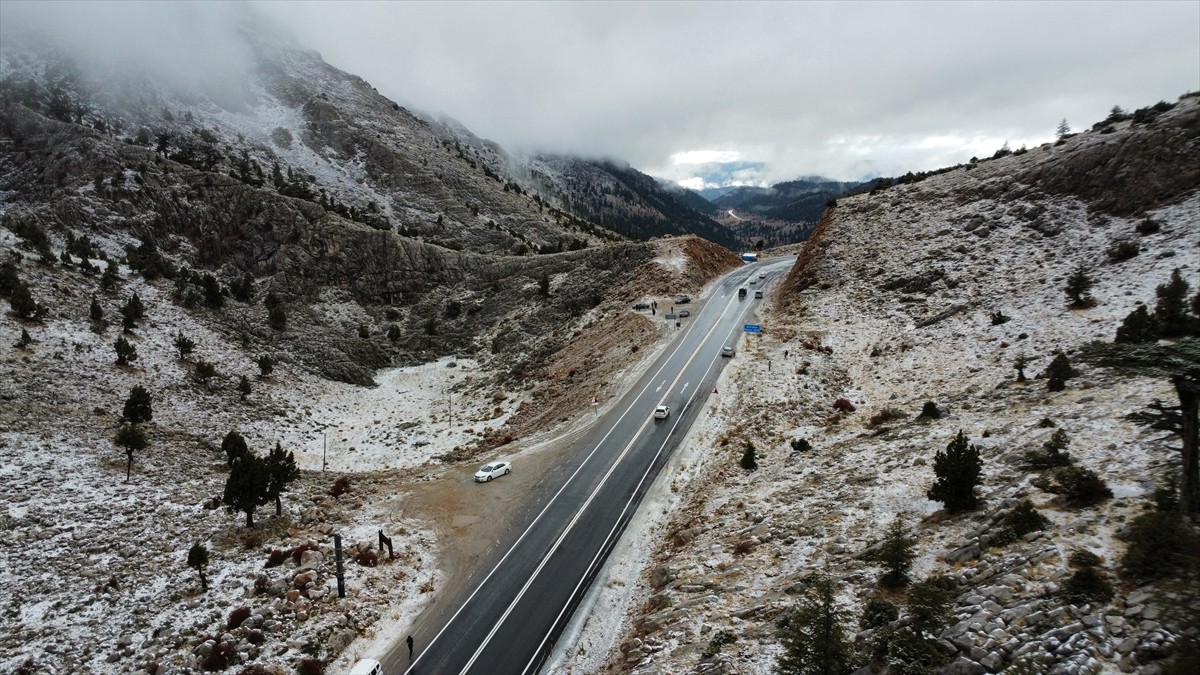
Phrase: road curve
(510,620)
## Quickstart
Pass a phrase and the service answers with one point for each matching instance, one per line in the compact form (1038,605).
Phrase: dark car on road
(682,300)
(641,305)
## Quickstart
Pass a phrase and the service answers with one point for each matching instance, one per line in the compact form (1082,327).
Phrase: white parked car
(661,412)
(367,667)
(493,470)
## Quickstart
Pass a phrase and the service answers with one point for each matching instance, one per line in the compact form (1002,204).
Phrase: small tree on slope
(814,637)
(198,559)
(246,488)
(282,469)
(958,471)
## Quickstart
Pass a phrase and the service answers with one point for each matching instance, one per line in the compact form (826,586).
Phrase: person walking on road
(410,645)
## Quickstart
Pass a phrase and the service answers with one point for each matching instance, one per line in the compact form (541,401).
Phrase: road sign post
(751,328)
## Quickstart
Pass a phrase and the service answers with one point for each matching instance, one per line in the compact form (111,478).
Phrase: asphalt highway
(517,608)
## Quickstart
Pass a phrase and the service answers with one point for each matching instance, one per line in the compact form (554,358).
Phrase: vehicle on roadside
(641,305)
(682,300)
(684,313)
(367,667)
(758,293)
(741,293)
(493,470)
(727,351)
(661,412)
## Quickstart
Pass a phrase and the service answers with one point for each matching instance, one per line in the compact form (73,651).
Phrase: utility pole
(324,448)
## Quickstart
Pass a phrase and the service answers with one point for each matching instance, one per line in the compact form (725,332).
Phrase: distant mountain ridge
(623,199)
(801,200)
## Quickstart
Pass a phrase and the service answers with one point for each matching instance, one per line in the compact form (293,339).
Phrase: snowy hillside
(893,304)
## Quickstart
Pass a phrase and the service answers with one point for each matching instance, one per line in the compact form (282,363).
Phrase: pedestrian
(410,645)
(785,353)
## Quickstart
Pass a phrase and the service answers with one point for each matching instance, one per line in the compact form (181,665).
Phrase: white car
(762,275)
(661,412)
(753,280)
(367,667)
(493,470)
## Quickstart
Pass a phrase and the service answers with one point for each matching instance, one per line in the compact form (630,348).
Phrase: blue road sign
(752,328)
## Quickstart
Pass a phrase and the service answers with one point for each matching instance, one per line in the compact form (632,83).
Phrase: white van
(367,667)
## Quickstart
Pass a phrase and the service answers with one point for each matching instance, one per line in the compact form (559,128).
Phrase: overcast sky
(777,89)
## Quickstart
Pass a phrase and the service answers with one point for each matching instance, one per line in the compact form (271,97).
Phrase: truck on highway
(749,257)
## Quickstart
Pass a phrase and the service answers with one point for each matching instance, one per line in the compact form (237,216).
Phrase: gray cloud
(839,89)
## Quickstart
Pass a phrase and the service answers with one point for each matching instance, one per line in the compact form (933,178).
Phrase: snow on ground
(672,257)
(413,414)
(802,512)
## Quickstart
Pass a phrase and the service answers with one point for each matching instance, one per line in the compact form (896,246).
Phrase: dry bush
(237,616)
(883,416)
(367,558)
(277,557)
(743,547)
(340,486)
(252,541)
(633,348)
(310,667)
(844,405)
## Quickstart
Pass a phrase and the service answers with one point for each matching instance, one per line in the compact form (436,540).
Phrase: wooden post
(386,541)
(341,571)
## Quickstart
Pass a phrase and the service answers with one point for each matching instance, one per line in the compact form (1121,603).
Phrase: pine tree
(243,290)
(544,285)
(24,341)
(1062,129)
(896,555)
(130,437)
(205,371)
(1020,364)
(246,488)
(1078,285)
(244,387)
(109,279)
(1139,327)
(234,446)
(265,366)
(749,459)
(198,559)
(1058,372)
(125,351)
(96,313)
(1171,311)
(1178,363)
(958,471)
(133,311)
(139,407)
(277,317)
(393,332)
(213,297)
(814,637)
(184,345)
(1053,452)
(23,304)
(281,466)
